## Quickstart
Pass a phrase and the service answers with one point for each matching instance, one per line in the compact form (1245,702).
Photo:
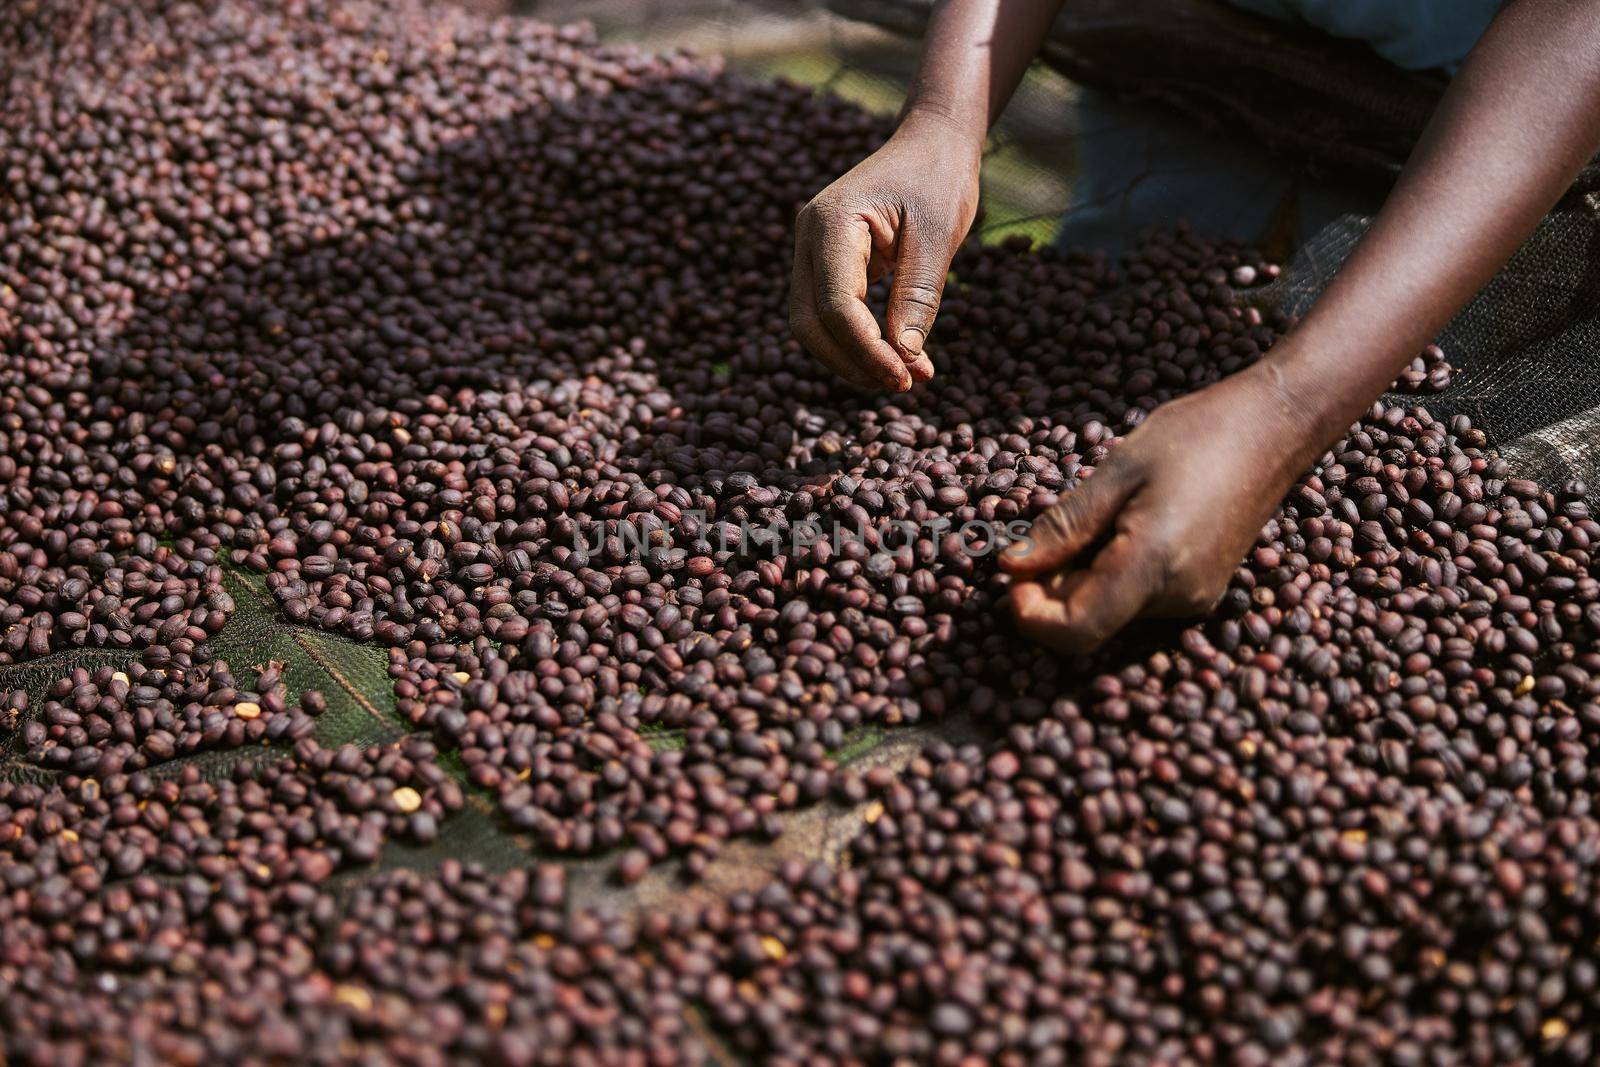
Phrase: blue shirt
(1414,34)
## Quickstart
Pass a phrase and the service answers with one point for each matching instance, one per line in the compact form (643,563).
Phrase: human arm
(1176,506)
(906,208)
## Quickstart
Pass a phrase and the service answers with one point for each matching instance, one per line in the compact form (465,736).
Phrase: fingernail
(911,341)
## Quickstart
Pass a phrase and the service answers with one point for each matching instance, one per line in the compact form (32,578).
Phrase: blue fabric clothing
(1141,166)
(1413,34)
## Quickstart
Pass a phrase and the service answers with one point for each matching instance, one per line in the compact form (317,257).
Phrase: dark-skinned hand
(904,210)
(1159,527)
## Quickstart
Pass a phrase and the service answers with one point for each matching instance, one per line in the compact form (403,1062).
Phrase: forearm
(973,57)
(1515,126)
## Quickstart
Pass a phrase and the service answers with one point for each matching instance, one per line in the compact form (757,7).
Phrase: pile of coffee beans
(597,780)
(305,813)
(468,339)
(511,979)
(108,721)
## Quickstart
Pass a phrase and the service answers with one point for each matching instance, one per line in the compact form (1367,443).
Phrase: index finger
(808,329)
(839,274)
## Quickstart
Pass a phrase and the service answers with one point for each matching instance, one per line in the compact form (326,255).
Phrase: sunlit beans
(468,340)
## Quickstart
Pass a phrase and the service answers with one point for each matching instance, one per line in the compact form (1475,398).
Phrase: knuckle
(1085,635)
(1172,565)
(931,218)
(823,212)
(831,298)
(1192,598)
(834,305)
(802,322)
(799,311)
(1183,586)
(919,293)
(1072,510)
(1055,523)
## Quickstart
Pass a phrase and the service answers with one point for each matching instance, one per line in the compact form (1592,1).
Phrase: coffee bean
(465,339)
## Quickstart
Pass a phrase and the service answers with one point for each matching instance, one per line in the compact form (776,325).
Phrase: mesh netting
(352,677)
(1522,348)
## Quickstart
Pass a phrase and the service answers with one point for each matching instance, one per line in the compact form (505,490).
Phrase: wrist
(961,136)
(1296,422)
(1317,398)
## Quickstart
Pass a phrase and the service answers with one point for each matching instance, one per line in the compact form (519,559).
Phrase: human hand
(1173,510)
(904,209)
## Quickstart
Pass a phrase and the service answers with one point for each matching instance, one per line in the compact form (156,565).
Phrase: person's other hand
(904,210)
(1169,514)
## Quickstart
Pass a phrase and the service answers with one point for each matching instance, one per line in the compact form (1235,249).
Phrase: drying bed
(417,647)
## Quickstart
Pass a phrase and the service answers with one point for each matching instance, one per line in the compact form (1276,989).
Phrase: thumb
(1071,524)
(919,275)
